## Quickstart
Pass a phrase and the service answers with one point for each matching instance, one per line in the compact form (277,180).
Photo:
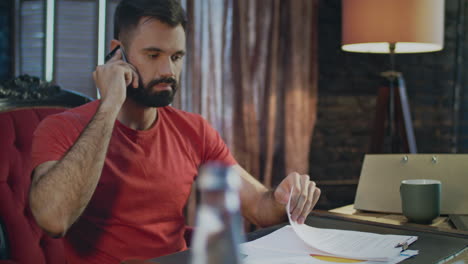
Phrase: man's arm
(61,190)
(265,207)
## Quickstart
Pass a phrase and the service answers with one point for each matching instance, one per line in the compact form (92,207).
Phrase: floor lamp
(392,27)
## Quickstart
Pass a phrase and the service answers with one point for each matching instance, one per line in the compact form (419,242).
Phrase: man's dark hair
(129,12)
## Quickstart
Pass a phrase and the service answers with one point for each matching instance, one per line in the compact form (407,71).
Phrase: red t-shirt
(137,208)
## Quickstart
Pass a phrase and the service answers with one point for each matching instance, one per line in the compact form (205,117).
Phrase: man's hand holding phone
(112,79)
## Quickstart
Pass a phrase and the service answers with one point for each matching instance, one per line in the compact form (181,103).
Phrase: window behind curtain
(32,38)
(76,44)
(111,5)
(6,27)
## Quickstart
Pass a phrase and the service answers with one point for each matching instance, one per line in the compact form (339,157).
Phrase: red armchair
(25,241)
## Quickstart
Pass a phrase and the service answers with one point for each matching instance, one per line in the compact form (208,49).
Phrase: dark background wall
(6,27)
(348,84)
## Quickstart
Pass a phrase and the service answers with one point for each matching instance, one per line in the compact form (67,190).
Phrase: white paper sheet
(349,244)
(267,256)
(296,243)
(283,241)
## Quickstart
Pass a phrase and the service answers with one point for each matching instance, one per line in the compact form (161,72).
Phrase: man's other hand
(305,195)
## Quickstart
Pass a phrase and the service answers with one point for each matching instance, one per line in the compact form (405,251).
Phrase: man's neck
(136,116)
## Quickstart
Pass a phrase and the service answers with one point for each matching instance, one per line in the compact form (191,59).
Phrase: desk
(441,224)
(434,245)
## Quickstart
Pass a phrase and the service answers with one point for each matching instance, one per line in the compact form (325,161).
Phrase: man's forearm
(258,204)
(59,196)
(270,212)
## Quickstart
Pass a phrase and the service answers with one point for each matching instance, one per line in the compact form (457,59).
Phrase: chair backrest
(26,242)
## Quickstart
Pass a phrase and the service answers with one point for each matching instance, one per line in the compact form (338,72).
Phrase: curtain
(251,70)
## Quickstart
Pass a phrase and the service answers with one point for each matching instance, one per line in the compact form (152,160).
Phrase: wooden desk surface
(441,223)
(433,241)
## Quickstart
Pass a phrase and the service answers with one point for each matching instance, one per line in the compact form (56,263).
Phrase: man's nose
(166,68)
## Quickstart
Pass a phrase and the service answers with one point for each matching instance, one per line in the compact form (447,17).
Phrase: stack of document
(297,243)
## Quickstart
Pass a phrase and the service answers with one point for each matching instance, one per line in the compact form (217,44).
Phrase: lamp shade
(412,25)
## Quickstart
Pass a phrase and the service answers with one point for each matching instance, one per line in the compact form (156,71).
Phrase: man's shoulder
(79,116)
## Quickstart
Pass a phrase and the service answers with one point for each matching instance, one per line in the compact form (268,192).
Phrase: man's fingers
(117,56)
(135,82)
(317,193)
(135,79)
(130,74)
(296,190)
(131,78)
(309,203)
(128,77)
(301,199)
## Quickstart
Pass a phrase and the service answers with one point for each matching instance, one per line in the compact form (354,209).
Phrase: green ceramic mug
(420,200)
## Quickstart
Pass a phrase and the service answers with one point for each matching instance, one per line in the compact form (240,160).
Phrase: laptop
(379,184)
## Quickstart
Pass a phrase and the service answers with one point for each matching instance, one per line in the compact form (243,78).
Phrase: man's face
(156,50)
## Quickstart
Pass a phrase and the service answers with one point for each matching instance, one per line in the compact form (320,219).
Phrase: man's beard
(143,95)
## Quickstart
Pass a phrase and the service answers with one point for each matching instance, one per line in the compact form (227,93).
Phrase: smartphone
(112,53)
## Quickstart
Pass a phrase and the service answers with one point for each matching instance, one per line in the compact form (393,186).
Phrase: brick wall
(348,84)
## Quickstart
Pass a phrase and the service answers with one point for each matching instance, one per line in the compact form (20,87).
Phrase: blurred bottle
(218,230)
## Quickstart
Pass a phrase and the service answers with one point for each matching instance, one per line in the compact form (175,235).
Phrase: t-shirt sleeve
(215,149)
(51,140)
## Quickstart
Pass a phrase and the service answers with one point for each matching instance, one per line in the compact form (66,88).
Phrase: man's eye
(176,57)
(153,56)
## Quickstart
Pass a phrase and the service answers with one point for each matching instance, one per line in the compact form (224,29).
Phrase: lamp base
(393,114)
